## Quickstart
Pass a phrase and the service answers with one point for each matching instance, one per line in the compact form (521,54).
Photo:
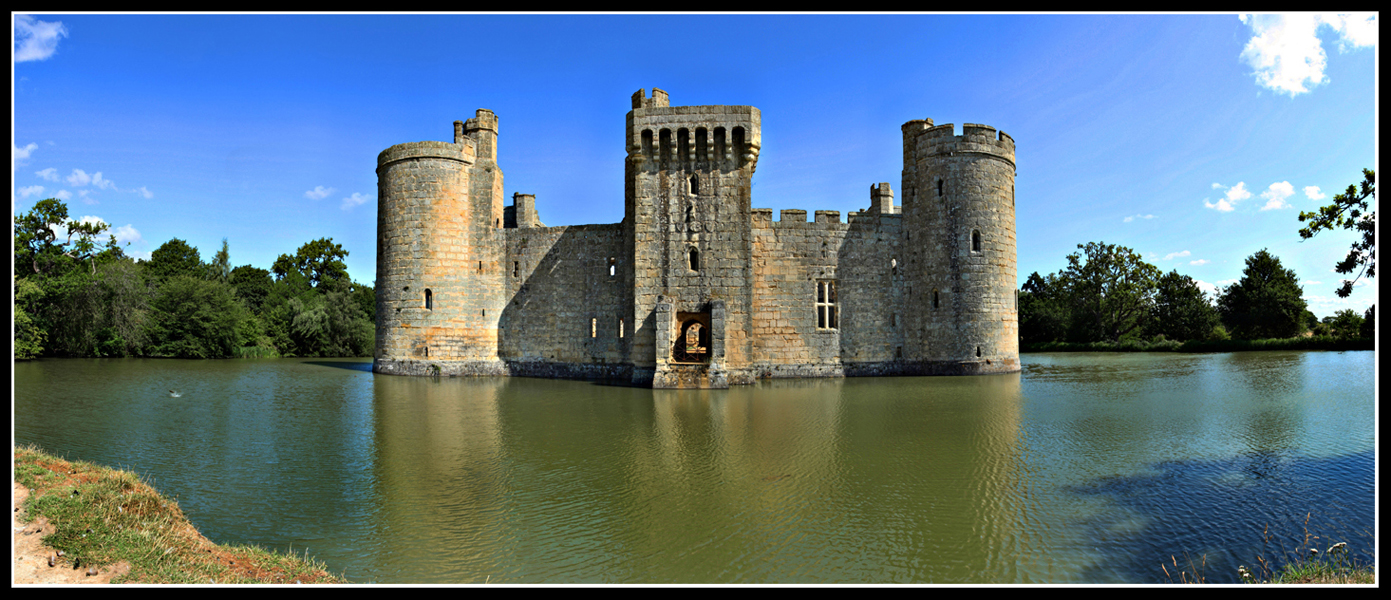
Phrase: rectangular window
(827,308)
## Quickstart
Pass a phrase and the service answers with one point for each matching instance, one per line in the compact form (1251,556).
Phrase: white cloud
(63,195)
(1218,186)
(1234,194)
(1354,31)
(354,200)
(1313,192)
(49,174)
(1211,289)
(1200,262)
(143,192)
(318,193)
(32,190)
(82,195)
(17,154)
(35,40)
(1132,218)
(1286,53)
(100,182)
(79,177)
(1173,255)
(1275,195)
(127,234)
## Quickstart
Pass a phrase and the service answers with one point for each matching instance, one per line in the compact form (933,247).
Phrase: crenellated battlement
(692,137)
(922,140)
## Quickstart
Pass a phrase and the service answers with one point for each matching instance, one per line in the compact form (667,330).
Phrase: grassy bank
(1301,343)
(106,516)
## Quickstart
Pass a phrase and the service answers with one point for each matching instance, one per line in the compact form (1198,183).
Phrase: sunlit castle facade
(695,288)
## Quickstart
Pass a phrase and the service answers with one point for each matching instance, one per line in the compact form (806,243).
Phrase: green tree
(1369,323)
(126,298)
(1349,211)
(1111,289)
(176,258)
(195,318)
(1181,309)
(28,336)
(366,298)
(36,246)
(320,261)
(1344,324)
(1044,309)
(221,266)
(252,285)
(1266,303)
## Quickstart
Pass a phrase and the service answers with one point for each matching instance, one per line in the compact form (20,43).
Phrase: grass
(106,516)
(1335,565)
(1298,343)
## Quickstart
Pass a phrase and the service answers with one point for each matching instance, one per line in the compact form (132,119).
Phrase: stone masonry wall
(563,304)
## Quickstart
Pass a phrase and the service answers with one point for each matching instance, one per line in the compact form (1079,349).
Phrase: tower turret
(958,207)
(439,289)
(688,205)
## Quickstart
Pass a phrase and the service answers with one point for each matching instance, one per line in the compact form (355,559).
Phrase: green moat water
(1081,468)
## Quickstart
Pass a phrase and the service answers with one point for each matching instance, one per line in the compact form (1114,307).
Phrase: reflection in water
(1082,468)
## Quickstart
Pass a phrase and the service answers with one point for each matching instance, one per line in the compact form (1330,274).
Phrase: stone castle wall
(923,288)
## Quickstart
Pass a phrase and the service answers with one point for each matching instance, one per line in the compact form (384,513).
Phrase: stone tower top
(659,99)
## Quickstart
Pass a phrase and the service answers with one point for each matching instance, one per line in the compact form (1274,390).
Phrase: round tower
(959,227)
(437,257)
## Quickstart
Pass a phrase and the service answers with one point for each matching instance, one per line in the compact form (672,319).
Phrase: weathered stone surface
(926,288)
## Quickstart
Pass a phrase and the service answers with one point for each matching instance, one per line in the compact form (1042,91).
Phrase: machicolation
(695,287)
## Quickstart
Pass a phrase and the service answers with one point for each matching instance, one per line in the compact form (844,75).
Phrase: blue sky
(1193,139)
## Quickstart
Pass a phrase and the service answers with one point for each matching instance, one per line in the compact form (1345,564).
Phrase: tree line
(1108,293)
(81,297)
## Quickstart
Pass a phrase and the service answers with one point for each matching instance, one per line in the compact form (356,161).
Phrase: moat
(1080,468)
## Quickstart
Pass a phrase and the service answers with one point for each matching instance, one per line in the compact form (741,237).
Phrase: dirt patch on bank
(33,563)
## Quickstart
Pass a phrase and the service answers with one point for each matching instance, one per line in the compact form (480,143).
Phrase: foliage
(126,296)
(1349,211)
(175,258)
(28,336)
(1266,303)
(221,266)
(175,304)
(195,318)
(329,325)
(319,261)
(251,285)
(1344,324)
(1112,290)
(1369,323)
(71,313)
(35,239)
(1044,309)
(1181,309)
(366,298)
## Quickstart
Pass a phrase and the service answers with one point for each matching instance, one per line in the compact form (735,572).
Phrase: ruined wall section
(688,195)
(568,308)
(960,241)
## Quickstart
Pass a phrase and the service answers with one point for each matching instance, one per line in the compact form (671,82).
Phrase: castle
(695,288)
